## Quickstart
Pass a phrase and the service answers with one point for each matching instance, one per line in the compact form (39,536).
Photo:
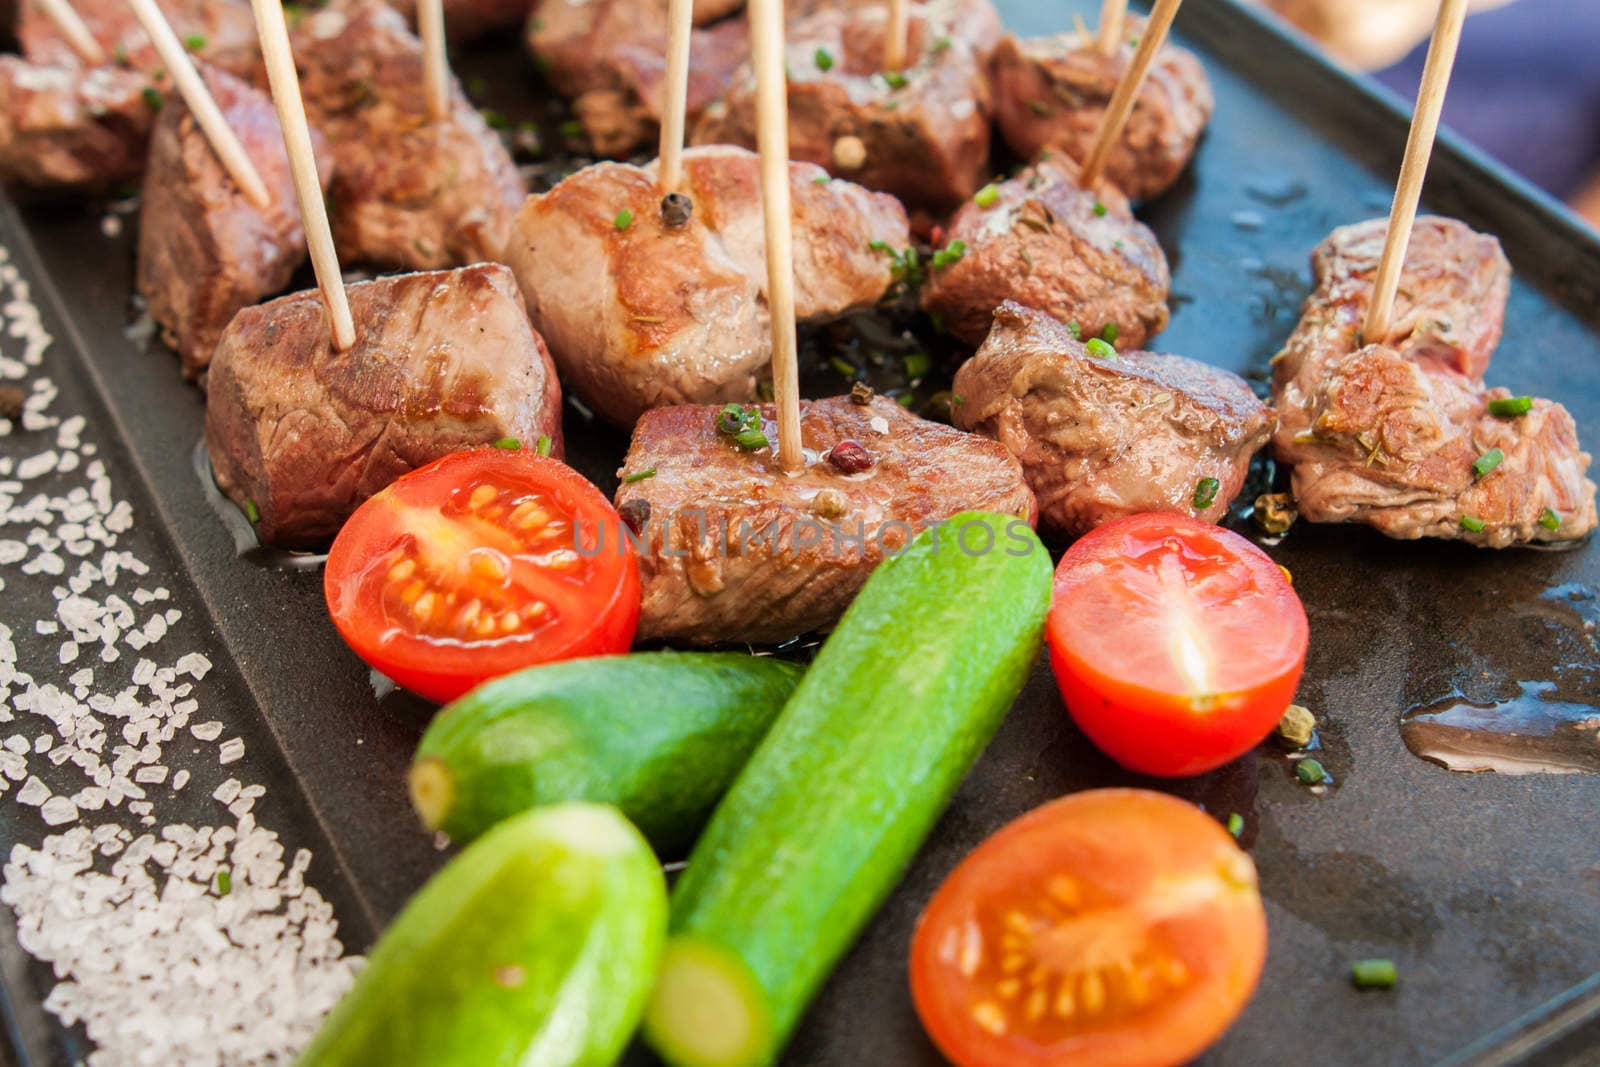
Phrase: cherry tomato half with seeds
(480,564)
(1111,928)
(1177,645)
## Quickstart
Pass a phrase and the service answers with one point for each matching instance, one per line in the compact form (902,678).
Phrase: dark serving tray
(1484,888)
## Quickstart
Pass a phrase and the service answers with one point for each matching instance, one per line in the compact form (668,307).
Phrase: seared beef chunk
(70,130)
(1052,92)
(205,251)
(1396,432)
(408,191)
(1108,435)
(640,313)
(221,32)
(1044,242)
(737,550)
(572,40)
(921,134)
(300,434)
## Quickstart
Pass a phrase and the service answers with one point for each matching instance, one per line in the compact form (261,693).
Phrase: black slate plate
(1484,888)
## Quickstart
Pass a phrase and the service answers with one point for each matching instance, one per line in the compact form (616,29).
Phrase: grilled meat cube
(205,250)
(640,313)
(301,435)
(1103,438)
(737,550)
(1048,244)
(64,129)
(1052,92)
(1388,433)
(921,134)
(407,191)
(573,42)
(221,32)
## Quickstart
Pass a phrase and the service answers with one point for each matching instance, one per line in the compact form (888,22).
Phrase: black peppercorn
(676,210)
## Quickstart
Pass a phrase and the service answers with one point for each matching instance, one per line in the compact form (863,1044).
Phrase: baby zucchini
(536,945)
(820,825)
(658,734)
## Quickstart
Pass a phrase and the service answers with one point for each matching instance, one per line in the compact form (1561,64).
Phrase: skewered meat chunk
(64,129)
(573,40)
(205,250)
(221,32)
(1052,92)
(300,434)
(640,313)
(1046,243)
(737,550)
(407,191)
(921,134)
(1100,438)
(1398,433)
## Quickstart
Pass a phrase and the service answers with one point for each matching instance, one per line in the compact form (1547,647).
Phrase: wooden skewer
(680,19)
(1414,170)
(435,64)
(72,28)
(772,137)
(894,43)
(285,85)
(201,104)
(1112,15)
(1122,101)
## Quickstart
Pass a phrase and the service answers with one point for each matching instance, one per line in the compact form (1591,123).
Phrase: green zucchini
(536,945)
(822,822)
(658,734)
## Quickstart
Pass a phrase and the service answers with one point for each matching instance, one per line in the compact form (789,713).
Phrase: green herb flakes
(1205,493)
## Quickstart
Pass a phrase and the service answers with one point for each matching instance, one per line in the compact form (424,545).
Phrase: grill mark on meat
(1100,439)
(67,130)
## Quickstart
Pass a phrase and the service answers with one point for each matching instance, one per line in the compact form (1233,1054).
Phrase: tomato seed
(1013,964)
(409,594)
(1034,1011)
(423,608)
(402,570)
(990,1017)
(468,615)
(1094,992)
(481,497)
(1065,1006)
(510,621)
(1009,989)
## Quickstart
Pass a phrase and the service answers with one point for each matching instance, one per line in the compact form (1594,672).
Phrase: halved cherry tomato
(1177,644)
(479,564)
(1113,928)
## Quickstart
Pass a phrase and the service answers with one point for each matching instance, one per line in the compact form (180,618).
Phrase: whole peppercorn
(676,210)
(636,513)
(850,457)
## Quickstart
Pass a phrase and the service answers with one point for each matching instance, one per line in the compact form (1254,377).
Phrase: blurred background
(1527,81)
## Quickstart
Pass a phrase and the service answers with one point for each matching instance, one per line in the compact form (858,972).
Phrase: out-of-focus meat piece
(63,129)
(221,32)
(1048,244)
(409,191)
(926,141)
(639,314)
(1052,92)
(467,20)
(737,550)
(1103,438)
(205,251)
(443,361)
(1387,434)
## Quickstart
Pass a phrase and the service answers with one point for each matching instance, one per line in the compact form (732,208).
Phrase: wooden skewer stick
(285,85)
(201,104)
(1414,170)
(680,19)
(72,28)
(435,64)
(1112,15)
(894,42)
(1122,101)
(772,137)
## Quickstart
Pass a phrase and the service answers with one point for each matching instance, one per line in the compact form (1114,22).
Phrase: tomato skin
(600,608)
(1120,845)
(1111,609)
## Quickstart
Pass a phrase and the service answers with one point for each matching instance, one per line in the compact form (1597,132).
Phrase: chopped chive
(824,59)
(153,98)
(1310,771)
(1235,824)
(1471,524)
(1110,333)
(1549,520)
(624,219)
(822,179)
(942,44)
(494,120)
(1373,974)
(572,128)
(224,882)
(1100,349)
(120,56)
(917,364)
(895,79)
(843,366)
(252,512)
(194,42)
(1038,107)
(949,255)
(987,196)
(543,445)
(1076,330)
(1487,462)
(750,440)
(1099,210)
(1205,493)
(1510,407)
(639,476)
(510,444)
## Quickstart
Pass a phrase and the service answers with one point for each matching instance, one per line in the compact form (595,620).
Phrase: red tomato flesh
(1112,928)
(480,564)
(1177,644)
